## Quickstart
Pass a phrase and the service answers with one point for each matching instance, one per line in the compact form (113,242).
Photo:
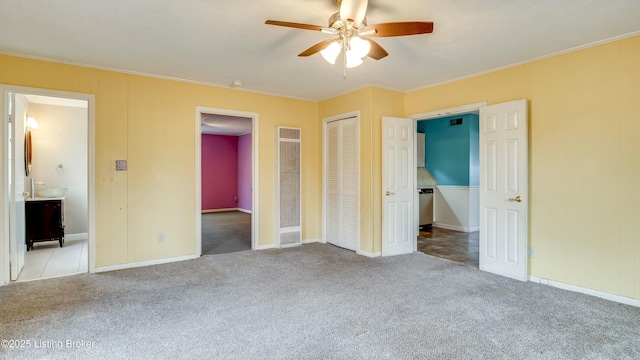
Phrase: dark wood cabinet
(44,221)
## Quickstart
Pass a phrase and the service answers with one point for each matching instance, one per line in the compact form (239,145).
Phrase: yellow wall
(584,170)
(584,156)
(151,123)
(373,103)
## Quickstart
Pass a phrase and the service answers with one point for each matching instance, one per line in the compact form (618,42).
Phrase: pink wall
(219,172)
(244,172)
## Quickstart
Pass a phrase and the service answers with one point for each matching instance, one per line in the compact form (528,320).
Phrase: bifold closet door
(342,176)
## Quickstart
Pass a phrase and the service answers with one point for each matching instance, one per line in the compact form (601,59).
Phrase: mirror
(27,152)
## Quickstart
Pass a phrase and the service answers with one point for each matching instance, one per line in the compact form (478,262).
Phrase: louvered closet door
(342,183)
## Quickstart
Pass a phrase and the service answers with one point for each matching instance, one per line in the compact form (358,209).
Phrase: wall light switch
(121,165)
(531,252)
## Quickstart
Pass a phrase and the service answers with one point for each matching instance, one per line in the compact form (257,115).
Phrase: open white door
(398,186)
(17,117)
(504,189)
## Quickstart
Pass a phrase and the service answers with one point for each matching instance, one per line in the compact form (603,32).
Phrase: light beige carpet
(225,232)
(314,301)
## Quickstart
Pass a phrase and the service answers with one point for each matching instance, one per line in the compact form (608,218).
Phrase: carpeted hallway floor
(225,232)
(314,301)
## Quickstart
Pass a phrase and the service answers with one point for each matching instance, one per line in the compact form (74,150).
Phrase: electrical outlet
(531,252)
(160,238)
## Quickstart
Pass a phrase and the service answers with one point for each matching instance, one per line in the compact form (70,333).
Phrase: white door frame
(255,242)
(4,181)
(325,123)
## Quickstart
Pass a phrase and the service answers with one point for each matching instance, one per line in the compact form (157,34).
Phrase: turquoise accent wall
(474,150)
(452,152)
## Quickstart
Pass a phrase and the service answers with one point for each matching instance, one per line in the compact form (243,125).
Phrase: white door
(398,186)
(16,171)
(504,189)
(341,181)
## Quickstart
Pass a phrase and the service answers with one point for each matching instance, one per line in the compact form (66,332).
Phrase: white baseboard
(579,289)
(144,263)
(245,211)
(309,241)
(219,210)
(76,237)
(265,247)
(455,228)
(368,254)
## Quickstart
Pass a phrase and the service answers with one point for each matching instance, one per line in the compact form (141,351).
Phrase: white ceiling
(225,124)
(218,42)
(48,100)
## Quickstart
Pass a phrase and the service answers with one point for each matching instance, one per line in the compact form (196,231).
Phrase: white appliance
(426,185)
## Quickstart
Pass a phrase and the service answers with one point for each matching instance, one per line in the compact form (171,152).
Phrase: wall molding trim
(266,247)
(457,187)
(455,228)
(219,210)
(76,237)
(607,296)
(368,254)
(145,263)
(209,211)
(310,241)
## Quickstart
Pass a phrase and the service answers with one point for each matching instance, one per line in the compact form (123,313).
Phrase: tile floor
(48,259)
(451,245)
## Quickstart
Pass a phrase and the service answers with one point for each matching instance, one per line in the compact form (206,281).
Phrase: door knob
(516,199)
(389,193)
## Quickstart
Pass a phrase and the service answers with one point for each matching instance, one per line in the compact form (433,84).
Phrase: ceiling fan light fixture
(353,60)
(359,48)
(331,52)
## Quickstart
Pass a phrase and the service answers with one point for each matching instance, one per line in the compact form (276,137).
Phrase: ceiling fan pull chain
(344,64)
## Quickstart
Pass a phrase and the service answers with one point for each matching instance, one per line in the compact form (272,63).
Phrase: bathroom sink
(52,192)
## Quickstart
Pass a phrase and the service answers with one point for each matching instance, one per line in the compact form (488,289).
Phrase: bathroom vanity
(44,220)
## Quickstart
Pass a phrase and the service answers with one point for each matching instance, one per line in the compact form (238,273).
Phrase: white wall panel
(457,208)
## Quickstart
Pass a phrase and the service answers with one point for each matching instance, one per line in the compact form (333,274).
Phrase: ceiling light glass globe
(331,52)
(359,47)
(353,59)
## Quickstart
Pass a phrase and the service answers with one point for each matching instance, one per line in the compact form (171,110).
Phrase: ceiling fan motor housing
(335,22)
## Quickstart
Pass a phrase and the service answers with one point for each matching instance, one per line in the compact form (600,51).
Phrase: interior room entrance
(226,154)
(46,169)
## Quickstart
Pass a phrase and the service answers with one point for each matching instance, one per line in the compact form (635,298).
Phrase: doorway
(49,154)
(503,200)
(226,161)
(451,146)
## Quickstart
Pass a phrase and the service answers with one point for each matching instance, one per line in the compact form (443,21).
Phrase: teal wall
(474,150)
(452,152)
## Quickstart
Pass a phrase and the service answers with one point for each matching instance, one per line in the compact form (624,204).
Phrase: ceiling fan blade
(317,47)
(401,28)
(353,10)
(294,25)
(376,51)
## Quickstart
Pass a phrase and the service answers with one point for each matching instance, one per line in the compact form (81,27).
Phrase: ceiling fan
(350,26)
